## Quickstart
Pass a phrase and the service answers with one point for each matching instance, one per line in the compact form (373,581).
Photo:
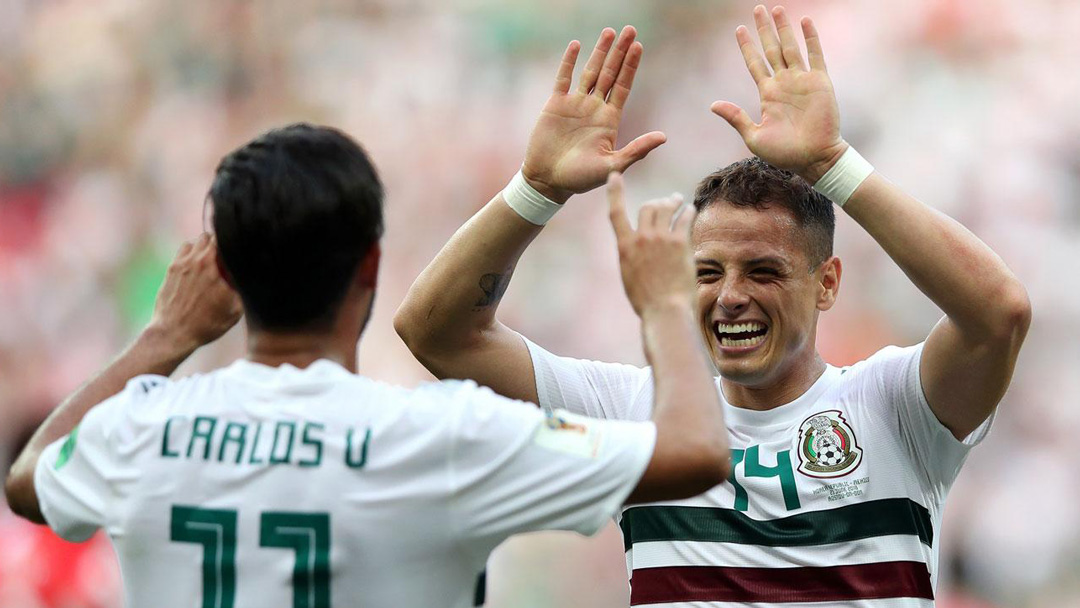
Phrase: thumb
(638,149)
(735,116)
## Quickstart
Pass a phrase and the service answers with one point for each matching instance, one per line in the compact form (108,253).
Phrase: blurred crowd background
(114,113)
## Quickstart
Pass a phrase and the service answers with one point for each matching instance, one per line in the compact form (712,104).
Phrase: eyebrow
(767,261)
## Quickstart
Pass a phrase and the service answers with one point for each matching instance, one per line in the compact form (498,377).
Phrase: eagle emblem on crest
(827,446)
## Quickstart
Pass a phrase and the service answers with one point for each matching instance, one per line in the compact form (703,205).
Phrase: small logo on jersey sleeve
(67,449)
(570,434)
(827,446)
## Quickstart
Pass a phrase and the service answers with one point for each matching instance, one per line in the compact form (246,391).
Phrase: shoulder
(596,369)
(467,398)
(888,365)
(136,395)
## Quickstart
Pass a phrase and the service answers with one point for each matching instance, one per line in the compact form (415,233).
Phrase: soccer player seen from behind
(286,479)
(840,474)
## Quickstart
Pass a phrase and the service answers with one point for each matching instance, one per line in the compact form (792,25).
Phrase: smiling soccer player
(840,475)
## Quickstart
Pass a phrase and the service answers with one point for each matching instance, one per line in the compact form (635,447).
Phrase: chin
(747,373)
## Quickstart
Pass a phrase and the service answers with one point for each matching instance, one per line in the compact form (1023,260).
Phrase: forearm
(153,352)
(454,300)
(686,402)
(949,264)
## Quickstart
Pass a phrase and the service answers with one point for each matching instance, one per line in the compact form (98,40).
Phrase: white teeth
(736,328)
(741,343)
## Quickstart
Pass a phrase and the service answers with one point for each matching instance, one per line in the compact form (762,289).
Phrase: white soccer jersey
(835,499)
(256,486)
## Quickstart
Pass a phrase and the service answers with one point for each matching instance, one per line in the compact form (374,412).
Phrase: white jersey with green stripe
(835,498)
(256,486)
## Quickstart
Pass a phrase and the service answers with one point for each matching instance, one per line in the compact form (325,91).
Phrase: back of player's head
(295,211)
(752,182)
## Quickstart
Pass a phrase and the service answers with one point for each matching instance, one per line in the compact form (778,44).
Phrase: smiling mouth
(740,335)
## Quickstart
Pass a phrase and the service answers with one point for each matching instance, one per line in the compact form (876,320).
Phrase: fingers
(196,250)
(813,45)
(620,92)
(684,222)
(769,41)
(646,220)
(665,210)
(654,215)
(638,149)
(617,206)
(596,61)
(566,69)
(736,117)
(185,248)
(754,61)
(614,62)
(789,44)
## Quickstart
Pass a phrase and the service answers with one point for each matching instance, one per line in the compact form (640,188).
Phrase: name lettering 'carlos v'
(258,443)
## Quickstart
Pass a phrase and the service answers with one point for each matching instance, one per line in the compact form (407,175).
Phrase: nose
(733,298)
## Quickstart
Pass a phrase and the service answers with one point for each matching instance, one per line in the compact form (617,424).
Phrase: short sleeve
(591,388)
(75,479)
(897,375)
(516,469)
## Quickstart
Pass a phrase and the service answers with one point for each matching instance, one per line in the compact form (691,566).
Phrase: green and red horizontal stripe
(888,517)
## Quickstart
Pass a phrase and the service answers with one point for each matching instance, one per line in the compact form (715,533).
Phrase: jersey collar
(320,370)
(785,414)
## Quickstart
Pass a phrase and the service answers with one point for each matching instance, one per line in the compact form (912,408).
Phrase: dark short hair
(295,211)
(752,182)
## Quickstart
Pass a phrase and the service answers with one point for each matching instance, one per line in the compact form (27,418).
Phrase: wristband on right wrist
(841,180)
(534,207)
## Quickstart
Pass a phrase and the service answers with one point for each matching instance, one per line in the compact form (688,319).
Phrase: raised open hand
(572,147)
(800,121)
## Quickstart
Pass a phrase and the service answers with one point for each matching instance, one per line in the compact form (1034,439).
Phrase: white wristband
(527,202)
(844,177)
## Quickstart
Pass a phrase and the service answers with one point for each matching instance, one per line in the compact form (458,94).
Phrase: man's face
(758,299)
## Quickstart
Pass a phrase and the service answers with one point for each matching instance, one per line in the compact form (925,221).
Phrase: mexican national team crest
(827,446)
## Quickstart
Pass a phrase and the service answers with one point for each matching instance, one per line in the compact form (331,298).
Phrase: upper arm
(75,481)
(73,477)
(891,387)
(497,358)
(593,388)
(516,469)
(964,376)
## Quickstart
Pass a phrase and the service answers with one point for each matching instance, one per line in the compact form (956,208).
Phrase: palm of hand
(572,147)
(799,120)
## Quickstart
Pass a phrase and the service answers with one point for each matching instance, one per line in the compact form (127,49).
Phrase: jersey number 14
(307,534)
(752,467)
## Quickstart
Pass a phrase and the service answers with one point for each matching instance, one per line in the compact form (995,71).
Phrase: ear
(222,271)
(368,273)
(828,275)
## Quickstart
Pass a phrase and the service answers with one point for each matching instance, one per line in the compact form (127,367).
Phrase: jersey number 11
(307,534)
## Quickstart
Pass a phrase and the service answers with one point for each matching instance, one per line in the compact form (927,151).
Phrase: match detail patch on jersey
(67,449)
(827,446)
(569,433)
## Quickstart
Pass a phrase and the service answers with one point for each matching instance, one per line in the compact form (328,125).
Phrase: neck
(337,343)
(301,349)
(788,387)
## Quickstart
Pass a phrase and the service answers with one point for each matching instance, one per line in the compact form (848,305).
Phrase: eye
(707,274)
(764,272)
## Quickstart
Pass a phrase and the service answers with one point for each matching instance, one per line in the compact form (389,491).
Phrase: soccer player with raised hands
(840,474)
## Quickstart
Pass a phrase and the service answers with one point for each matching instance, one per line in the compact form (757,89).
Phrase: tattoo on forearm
(494,286)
